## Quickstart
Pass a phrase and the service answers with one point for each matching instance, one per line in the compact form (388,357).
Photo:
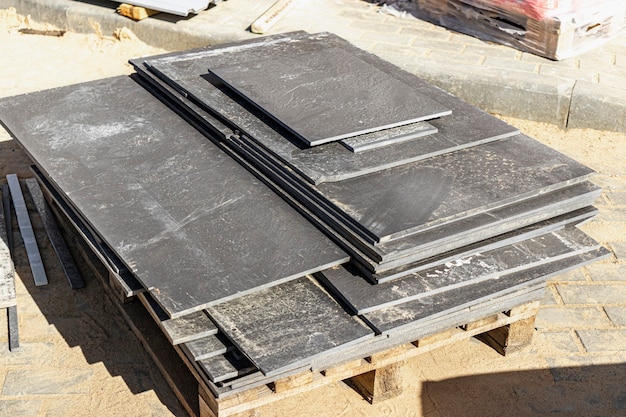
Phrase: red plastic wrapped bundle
(539,9)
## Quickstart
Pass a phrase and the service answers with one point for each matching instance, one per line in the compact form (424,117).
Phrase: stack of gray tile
(293,202)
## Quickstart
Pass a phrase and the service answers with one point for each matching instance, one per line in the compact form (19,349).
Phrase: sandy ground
(466,378)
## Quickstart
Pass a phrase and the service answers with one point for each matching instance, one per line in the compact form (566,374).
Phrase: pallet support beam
(380,384)
(513,337)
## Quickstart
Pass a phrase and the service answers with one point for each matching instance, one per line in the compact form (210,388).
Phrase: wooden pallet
(558,37)
(376,377)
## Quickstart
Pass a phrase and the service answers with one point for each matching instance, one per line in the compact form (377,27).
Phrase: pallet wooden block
(135,12)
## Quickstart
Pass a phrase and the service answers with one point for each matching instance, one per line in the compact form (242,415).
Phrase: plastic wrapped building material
(555,29)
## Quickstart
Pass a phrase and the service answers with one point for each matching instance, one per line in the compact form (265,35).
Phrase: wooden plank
(437,337)
(480,323)
(54,234)
(396,352)
(292,381)
(379,384)
(26,229)
(135,12)
(343,368)
(269,18)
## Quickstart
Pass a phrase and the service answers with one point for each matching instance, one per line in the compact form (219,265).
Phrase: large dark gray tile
(480,266)
(222,367)
(27,382)
(208,346)
(521,233)
(485,225)
(190,223)
(436,240)
(288,325)
(396,202)
(185,329)
(186,72)
(422,310)
(322,93)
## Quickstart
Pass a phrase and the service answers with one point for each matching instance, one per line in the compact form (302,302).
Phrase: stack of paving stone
(293,202)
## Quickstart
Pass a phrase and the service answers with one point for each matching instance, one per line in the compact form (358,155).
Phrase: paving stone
(612,80)
(464,58)
(549,299)
(34,354)
(607,271)
(592,294)
(562,341)
(498,62)
(567,63)
(617,198)
(491,51)
(619,249)
(46,382)
(568,73)
(580,368)
(399,57)
(610,182)
(439,45)
(617,315)
(598,55)
(574,275)
(611,214)
(603,340)
(19,408)
(425,33)
(390,29)
(553,318)
(394,39)
(462,39)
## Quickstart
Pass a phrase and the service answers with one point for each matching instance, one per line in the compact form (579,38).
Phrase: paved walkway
(78,358)
(586,91)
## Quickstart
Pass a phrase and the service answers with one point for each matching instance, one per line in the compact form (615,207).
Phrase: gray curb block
(543,98)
